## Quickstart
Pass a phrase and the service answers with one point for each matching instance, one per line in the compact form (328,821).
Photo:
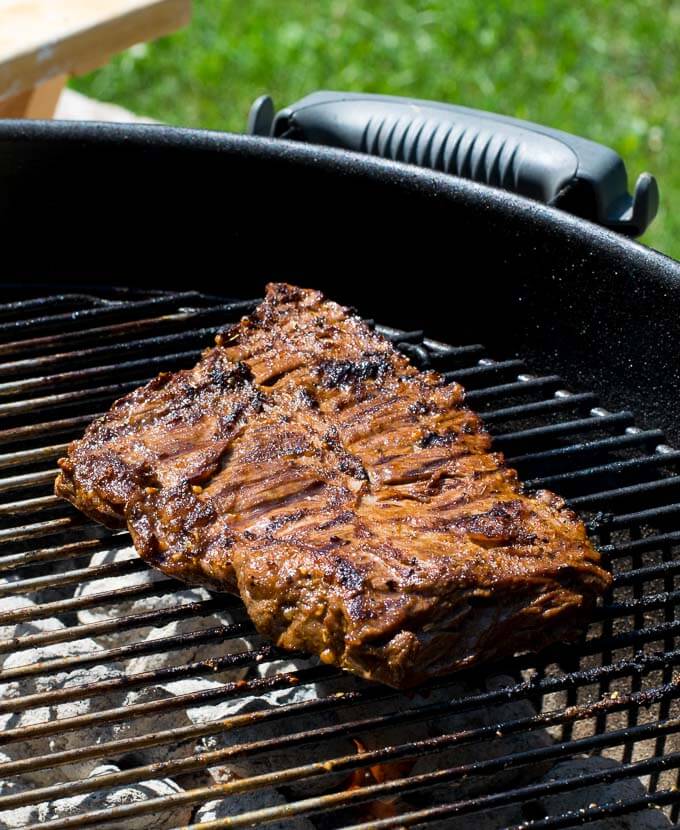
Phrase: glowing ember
(378,774)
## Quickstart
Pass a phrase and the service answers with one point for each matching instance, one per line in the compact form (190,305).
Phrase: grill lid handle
(551,166)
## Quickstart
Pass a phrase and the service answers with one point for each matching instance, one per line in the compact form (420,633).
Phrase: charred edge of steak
(179,548)
(346,373)
(347,463)
(230,378)
(93,506)
(277,297)
(307,398)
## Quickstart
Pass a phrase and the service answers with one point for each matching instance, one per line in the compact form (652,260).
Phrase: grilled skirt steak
(352,501)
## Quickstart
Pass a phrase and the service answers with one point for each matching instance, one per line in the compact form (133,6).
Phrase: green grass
(606,70)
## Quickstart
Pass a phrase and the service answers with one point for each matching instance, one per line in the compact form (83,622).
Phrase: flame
(378,774)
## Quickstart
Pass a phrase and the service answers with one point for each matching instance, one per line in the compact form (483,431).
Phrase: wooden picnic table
(43,42)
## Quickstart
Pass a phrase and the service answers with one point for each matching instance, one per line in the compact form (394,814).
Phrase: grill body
(173,208)
(565,337)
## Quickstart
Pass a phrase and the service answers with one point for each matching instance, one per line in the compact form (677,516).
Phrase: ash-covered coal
(214,649)
(22,628)
(246,802)
(84,704)
(472,751)
(581,797)
(273,729)
(113,610)
(349,737)
(104,799)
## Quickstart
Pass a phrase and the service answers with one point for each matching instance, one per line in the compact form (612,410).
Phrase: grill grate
(188,717)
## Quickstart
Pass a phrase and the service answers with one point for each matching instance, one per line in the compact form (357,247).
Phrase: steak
(351,500)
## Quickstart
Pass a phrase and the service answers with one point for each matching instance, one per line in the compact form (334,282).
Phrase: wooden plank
(16,105)
(39,102)
(41,39)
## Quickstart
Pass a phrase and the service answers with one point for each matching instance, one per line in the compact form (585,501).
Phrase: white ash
(11,631)
(238,803)
(106,586)
(19,816)
(166,657)
(272,760)
(324,748)
(114,699)
(95,734)
(267,761)
(336,745)
(454,755)
(370,738)
(44,683)
(99,800)
(125,794)
(189,685)
(276,667)
(600,794)
(171,748)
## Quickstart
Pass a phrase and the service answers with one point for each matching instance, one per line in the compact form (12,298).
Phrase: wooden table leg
(39,102)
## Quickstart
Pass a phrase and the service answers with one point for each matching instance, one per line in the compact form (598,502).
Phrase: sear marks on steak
(352,501)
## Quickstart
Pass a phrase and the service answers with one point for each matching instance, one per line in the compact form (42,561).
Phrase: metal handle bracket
(551,166)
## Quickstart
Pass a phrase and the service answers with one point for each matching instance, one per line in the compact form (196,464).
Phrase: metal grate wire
(613,697)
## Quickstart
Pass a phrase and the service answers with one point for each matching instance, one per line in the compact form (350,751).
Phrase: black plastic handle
(572,173)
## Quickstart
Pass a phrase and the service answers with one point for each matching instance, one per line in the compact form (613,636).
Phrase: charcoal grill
(170,693)
(614,694)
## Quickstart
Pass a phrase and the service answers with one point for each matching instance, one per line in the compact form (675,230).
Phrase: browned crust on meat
(352,501)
